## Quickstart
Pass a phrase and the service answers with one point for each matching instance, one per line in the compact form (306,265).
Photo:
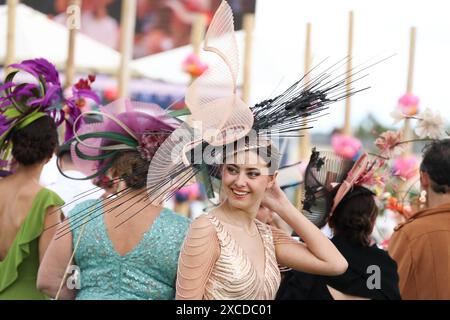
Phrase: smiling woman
(229,254)
(245,177)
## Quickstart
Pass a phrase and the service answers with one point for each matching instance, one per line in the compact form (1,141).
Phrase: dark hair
(132,168)
(436,162)
(268,153)
(36,142)
(355,215)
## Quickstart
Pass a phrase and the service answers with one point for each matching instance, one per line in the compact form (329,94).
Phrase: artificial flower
(405,167)
(430,125)
(389,143)
(149,144)
(39,68)
(398,116)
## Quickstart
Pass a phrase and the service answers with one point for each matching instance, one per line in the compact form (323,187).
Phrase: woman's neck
(136,197)
(237,217)
(29,173)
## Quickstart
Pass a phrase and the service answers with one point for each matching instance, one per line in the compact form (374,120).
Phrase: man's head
(435,167)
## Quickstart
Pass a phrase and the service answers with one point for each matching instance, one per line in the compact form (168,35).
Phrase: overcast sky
(381,28)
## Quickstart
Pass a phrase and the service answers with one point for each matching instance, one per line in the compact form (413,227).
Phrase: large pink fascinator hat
(218,115)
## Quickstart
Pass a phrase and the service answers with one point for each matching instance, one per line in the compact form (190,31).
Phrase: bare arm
(317,255)
(197,258)
(51,223)
(54,264)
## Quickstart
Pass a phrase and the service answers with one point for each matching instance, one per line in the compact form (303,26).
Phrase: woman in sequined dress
(229,254)
(123,246)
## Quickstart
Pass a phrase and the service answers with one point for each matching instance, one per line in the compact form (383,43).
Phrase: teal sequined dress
(146,272)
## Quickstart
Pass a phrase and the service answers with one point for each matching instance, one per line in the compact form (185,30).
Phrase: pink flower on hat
(149,144)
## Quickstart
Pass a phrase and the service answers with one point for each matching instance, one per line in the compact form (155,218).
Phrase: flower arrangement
(430,124)
(402,190)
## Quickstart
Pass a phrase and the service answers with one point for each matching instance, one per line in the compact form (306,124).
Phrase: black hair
(35,142)
(436,163)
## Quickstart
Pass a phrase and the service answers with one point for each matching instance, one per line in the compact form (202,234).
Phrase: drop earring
(423,198)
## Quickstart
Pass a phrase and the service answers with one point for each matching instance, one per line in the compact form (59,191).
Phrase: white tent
(38,36)
(167,66)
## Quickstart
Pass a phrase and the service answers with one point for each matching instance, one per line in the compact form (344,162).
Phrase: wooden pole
(70,63)
(11,35)
(248,23)
(347,121)
(412,55)
(127,25)
(197,33)
(407,131)
(305,141)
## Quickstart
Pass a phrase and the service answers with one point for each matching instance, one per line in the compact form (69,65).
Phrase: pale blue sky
(381,28)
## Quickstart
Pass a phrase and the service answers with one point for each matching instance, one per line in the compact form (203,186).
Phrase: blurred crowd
(160,24)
